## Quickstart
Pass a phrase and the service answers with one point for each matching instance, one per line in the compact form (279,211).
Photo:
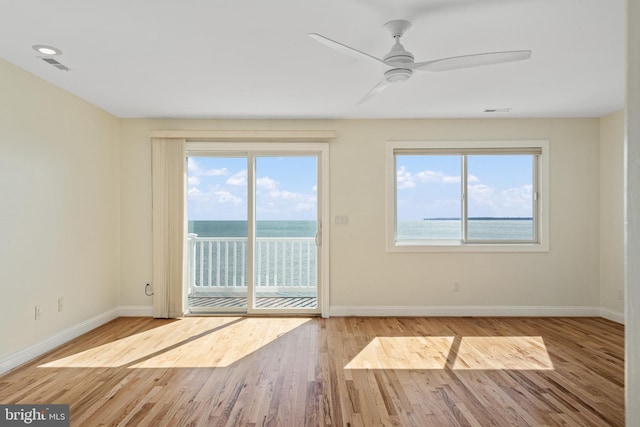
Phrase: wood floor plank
(252,371)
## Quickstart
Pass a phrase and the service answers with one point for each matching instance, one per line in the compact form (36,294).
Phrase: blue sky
(285,188)
(429,186)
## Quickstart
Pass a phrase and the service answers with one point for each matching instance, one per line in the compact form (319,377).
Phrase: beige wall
(362,272)
(59,214)
(612,214)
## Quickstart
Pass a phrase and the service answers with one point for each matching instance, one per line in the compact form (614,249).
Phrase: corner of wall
(611,222)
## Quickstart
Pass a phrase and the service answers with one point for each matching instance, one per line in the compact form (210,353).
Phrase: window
(467,196)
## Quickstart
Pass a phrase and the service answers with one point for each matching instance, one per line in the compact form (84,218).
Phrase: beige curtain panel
(168,182)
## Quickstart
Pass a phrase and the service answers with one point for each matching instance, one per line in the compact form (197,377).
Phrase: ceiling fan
(401,63)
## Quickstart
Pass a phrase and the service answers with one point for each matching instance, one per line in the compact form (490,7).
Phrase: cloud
(520,197)
(451,179)
(274,193)
(515,201)
(214,195)
(482,194)
(457,179)
(284,195)
(195,170)
(266,183)
(216,172)
(273,199)
(430,176)
(404,179)
(194,194)
(193,180)
(226,198)
(239,179)
(302,206)
(192,166)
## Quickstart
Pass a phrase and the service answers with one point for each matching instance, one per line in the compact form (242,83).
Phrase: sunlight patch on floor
(513,353)
(204,342)
(403,353)
(225,347)
(460,353)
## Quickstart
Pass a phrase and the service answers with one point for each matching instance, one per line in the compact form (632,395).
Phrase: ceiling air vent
(55,63)
(497,110)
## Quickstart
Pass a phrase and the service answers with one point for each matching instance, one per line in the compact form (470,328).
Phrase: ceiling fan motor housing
(397,75)
(398,54)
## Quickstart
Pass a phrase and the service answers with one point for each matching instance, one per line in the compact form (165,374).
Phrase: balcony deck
(271,301)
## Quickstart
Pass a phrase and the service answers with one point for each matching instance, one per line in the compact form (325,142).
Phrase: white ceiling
(253,58)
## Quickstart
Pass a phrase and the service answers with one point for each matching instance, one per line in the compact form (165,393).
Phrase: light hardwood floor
(253,371)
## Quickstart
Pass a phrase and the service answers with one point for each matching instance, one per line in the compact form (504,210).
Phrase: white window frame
(541,216)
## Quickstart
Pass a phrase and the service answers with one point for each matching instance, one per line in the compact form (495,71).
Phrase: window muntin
(500,208)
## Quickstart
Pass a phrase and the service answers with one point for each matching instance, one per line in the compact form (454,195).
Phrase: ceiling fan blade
(343,48)
(382,85)
(467,61)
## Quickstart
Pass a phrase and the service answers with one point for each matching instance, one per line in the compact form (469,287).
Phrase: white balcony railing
(219,264)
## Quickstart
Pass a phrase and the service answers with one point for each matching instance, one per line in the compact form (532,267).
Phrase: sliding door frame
(257,149)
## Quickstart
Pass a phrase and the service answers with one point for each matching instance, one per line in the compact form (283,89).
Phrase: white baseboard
(23,356)
(460,311)
(614,316)
(446,311)
(135,311)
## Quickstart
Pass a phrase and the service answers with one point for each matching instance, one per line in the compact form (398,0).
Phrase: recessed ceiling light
(46,50)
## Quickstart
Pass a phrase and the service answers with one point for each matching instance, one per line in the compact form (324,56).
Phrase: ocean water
(263,228)
(479,229)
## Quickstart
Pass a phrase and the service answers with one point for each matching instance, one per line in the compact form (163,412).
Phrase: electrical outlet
(38,312)
(60,305)
(456,286)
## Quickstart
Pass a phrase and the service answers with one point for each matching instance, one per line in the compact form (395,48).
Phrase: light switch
(342,219)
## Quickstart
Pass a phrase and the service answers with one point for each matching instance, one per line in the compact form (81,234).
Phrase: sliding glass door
(286,212)
(254,231)
(217,233)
